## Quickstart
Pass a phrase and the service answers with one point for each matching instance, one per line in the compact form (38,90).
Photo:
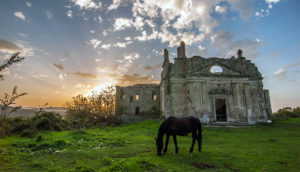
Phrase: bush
(82,118)
(287,112)
(113,120)
(153,111)
(44,121)
(9,126)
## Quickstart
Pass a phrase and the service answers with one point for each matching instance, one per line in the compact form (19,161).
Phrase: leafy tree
(103,102)
(288,112)
(91,110)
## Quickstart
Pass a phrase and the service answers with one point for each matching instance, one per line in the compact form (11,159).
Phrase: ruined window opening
(137,97)
(216,69)
(154,97)
(137,111)
(131,98)
(220,106)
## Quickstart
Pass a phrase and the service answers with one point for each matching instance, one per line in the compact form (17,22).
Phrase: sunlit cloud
(9,47)
(87,4)
(20,15)
(85,75)
(58,66)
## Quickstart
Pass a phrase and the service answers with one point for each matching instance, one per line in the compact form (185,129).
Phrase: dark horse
(179,126)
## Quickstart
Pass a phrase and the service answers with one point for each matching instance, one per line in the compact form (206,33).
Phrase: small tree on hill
(9,100)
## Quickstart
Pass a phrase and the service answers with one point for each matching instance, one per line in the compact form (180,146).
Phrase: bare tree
(9,100)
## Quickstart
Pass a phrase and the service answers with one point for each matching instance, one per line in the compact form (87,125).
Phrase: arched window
(216,69)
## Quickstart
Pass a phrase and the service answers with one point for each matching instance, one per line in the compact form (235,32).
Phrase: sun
(99,88)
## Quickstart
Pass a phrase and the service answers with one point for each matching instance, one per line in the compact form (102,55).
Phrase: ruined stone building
(212,89)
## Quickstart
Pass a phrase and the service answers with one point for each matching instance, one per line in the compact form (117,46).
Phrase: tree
(92,110)
(103,102)
(9,100)
(13,59)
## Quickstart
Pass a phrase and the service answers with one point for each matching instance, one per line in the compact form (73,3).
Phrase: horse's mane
(161,131)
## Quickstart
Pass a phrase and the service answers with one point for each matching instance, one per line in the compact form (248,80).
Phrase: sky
(74,47)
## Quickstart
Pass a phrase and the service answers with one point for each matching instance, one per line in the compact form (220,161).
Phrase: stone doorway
(220,107)
(137,111)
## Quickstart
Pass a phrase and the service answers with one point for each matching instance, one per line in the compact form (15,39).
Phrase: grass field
(131,147)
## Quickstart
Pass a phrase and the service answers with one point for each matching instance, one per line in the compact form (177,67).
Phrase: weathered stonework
(138,99)
(190,87)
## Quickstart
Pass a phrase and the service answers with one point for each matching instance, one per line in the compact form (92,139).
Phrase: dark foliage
(287,112)
(42,121)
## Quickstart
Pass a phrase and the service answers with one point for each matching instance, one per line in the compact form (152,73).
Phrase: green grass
(131,147)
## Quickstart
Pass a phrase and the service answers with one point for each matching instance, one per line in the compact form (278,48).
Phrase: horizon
(75,47)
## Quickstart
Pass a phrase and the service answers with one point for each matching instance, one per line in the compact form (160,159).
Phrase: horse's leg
(167,142)
(175,142)
(199,138)
(194,135)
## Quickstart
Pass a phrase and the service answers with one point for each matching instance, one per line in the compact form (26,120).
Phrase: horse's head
(159,146)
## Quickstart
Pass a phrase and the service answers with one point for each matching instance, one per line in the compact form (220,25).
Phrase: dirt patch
(230,168)
(272,140)
(202,165)
(282,162)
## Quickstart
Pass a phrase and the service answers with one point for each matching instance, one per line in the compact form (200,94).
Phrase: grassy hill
(131,147)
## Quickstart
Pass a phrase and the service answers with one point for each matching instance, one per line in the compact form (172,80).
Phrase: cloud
(95,42)
(226,47)
(22,34)
(20,15)
(87,4)
(27,49)
(92,31)
(28,4)
(104,33)
(9,47)
(155,67)
(120,44)
(122,23)
(49,15)
(272,1)
(220,9)
(100,19)
(281,73)
(70,14)
(131,57)
(85,75)
(114,5)
(58,66)
(106,46)
(125,80)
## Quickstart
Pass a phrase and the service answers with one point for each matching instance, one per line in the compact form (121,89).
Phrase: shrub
(153,111)
(113,120)
(44,121)
(287,112)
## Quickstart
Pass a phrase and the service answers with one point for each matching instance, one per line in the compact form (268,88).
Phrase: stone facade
(138,99)
(212,89)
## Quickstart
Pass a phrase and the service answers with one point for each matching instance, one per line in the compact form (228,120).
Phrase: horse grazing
(179,126)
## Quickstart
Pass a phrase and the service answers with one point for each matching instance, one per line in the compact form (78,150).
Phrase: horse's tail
(200,135)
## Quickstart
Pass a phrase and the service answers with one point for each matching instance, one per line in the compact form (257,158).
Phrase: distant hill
(30,111)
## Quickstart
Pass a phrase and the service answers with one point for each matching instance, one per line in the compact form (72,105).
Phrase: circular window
(216,69)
